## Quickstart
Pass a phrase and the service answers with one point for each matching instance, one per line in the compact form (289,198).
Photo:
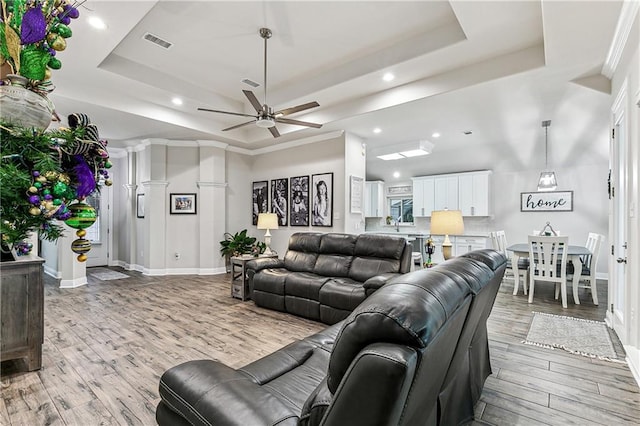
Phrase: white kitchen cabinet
(423,196)
(473,193)
(374,199)
(445,192)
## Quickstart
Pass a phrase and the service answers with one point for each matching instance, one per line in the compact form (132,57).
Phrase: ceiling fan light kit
(265,117)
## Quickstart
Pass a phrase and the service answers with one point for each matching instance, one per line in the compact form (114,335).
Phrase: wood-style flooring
(107,343)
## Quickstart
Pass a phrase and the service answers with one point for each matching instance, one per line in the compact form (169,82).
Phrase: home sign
(555,201)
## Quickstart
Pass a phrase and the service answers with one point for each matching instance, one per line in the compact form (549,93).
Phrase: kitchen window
(401,208)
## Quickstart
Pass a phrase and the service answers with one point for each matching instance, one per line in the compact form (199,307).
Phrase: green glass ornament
(82,216)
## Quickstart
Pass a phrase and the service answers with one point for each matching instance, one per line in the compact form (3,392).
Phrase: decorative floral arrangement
(31,34)
(42,174)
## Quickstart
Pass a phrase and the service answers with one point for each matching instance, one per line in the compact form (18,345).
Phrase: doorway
(99,232)
(618,228)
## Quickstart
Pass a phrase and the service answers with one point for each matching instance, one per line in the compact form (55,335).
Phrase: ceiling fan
(266,117)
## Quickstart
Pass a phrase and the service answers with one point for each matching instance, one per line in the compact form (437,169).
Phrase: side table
(239,275)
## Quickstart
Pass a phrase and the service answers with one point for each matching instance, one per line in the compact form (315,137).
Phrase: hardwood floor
(106,345)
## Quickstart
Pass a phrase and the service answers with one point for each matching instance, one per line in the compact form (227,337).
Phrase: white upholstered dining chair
(499,243)
(589,264)
(548,263)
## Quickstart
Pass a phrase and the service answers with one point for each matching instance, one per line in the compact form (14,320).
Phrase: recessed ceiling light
(393,156)
(97,23)
(377,130)
(435,135)
(176,101)
(388,77)
(396,174)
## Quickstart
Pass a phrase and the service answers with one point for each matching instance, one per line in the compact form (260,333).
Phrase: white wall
(319,157)
(355,165)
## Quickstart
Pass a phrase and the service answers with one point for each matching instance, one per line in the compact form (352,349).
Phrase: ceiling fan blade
(298,122)
(274,132)
(252,98)
(298,108)
(239,125)
(226,112)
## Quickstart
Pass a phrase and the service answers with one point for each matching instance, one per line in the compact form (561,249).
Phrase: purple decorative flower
(34,26)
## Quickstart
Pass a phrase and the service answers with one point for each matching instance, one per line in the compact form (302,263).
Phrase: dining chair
(499,243)
(589,264)
(548,263)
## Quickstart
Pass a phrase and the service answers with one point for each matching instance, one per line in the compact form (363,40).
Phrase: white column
(212,210)
(72,273)
(155,227)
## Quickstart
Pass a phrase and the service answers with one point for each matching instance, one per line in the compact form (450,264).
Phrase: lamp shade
(446,222)
(547,181)
(267,221)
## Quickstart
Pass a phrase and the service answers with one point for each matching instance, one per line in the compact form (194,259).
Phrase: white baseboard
(78,282)
(169,271)
(633,360)
(52,272)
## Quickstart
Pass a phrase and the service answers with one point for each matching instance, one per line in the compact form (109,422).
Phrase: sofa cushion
(304,284)
(407,312)
(333,265)
(303,251)
(342,293)
(270,281)
(376,254)
(338,244)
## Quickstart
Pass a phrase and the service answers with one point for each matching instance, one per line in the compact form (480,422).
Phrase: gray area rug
(575,335)
(107,274)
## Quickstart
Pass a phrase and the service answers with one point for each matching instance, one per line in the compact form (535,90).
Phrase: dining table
(574,255)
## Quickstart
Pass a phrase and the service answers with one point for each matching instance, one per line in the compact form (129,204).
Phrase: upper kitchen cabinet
(473,193)
(468,192)
(445,193)
(423,196)
(374,199)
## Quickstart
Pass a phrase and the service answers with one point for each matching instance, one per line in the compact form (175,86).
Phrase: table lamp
(267,221)
(445,222)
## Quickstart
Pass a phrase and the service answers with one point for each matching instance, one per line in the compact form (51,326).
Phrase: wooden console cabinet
(22,311)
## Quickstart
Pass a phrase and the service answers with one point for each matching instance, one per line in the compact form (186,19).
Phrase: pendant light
(547,181)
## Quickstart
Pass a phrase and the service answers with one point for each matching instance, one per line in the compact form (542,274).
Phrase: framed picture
(279,203)
(260,199)
(299,201)
(553,201)
(182,204)
(322,199)
(357,189)
(140,206)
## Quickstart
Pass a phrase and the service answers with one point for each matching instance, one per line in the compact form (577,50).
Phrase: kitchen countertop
(404,232)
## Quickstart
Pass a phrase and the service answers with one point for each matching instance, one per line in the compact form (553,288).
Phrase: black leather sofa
(323,277)
(413,353)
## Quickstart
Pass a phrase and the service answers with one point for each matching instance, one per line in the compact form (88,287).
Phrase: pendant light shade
(547,181)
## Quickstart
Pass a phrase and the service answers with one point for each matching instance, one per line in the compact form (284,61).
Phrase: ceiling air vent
(250,82)
(157,40)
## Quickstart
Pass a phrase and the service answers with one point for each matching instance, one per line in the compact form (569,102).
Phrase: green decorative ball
(82,216)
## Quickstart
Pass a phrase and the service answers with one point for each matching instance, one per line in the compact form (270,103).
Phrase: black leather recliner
(410,354)
(323,277)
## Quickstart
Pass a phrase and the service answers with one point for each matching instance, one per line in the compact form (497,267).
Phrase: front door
(98,233)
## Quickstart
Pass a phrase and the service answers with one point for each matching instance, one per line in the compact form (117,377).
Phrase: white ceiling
(496,68)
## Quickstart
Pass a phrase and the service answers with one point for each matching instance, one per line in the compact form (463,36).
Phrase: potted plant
(238,244)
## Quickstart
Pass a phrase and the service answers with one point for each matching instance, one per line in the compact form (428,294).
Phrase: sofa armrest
(260,263)
(374,283)
(206,392)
